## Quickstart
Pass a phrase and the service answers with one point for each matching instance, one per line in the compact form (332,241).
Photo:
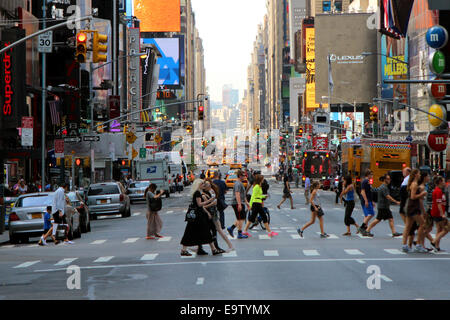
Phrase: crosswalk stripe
(230,254)
(394,251)
(136,214)
(296,236)
(200,281)
(189,257)
(311,253)
(171,211)
(264,237)
(165,239)
(104,259)
(362,237)
(382,276)
(8,246)
(331,236)
(271,253)
(286,228)
(291,231)
(149,256)
(98,242)
(66,261)
(32,246)
(294,219)
(353,252)
(26,264)
(131,240)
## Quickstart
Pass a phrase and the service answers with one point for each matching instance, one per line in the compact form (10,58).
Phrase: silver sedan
(136,190)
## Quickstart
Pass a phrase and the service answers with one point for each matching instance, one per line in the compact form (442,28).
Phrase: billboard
(394,69)
(169,72)
(158,16)
(345,37)
(297,88)
(310,69)
(297,12)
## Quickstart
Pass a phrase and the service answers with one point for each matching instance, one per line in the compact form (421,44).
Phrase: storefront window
(326,6)
(338,6)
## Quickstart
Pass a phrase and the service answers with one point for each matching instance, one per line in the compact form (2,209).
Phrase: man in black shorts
(286,193)
(384,212)
(239,204)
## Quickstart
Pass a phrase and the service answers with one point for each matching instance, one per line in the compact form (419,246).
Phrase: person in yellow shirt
(257,205)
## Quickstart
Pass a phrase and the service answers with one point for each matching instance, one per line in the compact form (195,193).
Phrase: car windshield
(35,201)
(101,190)
(143,184)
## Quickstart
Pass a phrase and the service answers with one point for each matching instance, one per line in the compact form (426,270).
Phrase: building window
(338,6)
(326,6)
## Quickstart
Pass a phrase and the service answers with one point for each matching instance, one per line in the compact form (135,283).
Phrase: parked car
(9,204)
(78,203)
(27,217)
(136,190)
(109,198)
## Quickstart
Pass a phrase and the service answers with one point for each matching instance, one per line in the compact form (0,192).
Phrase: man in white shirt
(404,193)
(58,208)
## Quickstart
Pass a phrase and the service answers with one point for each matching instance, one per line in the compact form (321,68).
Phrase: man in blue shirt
(366,200)
(47,227)
(221,196)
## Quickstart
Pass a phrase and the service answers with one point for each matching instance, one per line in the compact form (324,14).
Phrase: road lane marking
(194,254)
(135,265)
(136,214)
(311,253)
(362,237)
(353,252)
(27,264)
(271,253)
(264,237)
(98,242)
(131,240)
(296,236)
(230,254)
(171,211)
(331,236)
(361,261)
(291,231)
(66,261)
(164,239)
(394,251)
(294,219)
(149,256)
(8,246)
(286,228)
(200,281)
(103,259)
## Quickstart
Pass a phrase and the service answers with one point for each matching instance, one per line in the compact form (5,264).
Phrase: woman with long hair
(349,192)
(212,191)
(154,221)
(414,211)
(197,232)
(257,205)
(316,211)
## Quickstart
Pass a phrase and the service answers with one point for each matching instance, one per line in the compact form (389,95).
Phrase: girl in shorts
(316,211)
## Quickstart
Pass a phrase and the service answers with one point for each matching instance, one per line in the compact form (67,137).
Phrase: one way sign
(91,138)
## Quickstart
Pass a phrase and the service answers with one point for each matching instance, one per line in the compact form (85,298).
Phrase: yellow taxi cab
(235,166)
(210,172)
(231,178)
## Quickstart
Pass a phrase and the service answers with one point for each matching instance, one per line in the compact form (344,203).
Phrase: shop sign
(437,141)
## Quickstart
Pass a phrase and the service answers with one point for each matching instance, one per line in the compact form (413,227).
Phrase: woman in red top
(438,212)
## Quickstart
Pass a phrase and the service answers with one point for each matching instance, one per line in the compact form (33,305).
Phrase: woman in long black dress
(197,232)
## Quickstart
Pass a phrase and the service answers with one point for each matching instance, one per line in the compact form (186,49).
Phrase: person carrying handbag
(154,221)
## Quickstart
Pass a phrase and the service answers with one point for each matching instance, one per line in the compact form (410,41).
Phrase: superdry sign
(12,81)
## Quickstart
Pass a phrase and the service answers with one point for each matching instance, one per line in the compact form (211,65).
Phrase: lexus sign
(437,141)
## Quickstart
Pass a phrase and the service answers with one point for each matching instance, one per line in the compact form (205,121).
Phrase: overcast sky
(228,29)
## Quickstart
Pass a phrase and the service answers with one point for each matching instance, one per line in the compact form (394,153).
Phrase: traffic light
(78,162)
(257,131)
(201,110)
(189,129)
(374,114)
(98,48)
(81,49)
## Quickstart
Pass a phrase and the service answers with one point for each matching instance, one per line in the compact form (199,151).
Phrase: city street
(117,262)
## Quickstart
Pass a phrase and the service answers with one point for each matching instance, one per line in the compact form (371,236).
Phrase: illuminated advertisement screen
(393,69)
(169,72)
(158,16)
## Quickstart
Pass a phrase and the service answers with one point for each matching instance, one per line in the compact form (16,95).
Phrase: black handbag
(221,204)
(191,214)
(155,204)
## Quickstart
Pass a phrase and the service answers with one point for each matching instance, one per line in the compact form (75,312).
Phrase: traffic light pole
(44,101)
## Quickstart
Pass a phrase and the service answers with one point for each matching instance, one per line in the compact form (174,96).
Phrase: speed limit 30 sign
(45,42)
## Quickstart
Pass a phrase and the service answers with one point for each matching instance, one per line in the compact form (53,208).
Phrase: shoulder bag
(191,214)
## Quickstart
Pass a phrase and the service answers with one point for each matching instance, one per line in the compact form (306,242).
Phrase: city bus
(317,165)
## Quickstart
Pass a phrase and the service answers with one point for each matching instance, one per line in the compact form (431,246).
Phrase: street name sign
(72,139)
(91,138)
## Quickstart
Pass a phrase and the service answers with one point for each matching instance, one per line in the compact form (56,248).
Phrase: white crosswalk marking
(194,254)
(98,242)
(103,259)
(27,264)
(32,246)
(165,239)
(66,261)
(382,276)
(294,219)
(394,251)
(271,253)
(8,246)
(362,237)
(311,253)
(131,240)
(136,214)
(149,256)
(264,237)
(171,211)
(331,236)
(286,228)
(353,252)
(291,231)
(200,281)
(296,236)
(230,254)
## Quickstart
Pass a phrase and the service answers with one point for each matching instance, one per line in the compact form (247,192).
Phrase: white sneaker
(69,242)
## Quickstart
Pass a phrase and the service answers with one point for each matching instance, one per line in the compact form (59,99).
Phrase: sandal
(216,252)
(186,253)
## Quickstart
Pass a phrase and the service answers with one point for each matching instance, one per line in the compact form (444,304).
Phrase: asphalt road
(115,261)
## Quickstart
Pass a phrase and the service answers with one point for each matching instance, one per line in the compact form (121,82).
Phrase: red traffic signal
(201,109)
(81,37)
(375,109)
(123,162)
(78,162)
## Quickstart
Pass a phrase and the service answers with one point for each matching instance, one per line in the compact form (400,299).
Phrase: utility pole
(44,100)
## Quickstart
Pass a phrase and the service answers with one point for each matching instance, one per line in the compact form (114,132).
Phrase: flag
(394,17)
(54,112)
(330,76)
